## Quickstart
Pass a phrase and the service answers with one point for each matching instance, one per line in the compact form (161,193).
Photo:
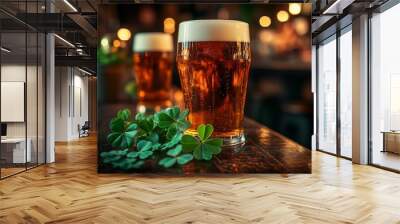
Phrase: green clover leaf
(203,147)
(205,131)
(175,151)
(172,117)
(157,137)
(184,159)
(167,162)
(123,130)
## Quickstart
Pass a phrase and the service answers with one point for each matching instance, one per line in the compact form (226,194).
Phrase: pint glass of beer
(213,58)
(153,61)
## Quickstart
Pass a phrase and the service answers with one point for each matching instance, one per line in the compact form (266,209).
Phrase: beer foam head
(213,30)
(152,42)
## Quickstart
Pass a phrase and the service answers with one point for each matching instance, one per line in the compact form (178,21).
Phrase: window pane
(385,86)
(327,97)
(345,94)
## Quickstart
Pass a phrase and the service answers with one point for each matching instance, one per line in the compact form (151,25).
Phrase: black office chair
(84,130)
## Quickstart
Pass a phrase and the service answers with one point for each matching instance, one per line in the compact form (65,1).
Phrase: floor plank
(71,191)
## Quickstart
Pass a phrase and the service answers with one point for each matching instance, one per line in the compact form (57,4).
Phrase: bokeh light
(265,21)
(117,43)
(266,36)
(124,34)
(282,16)
(105,44)
(301,26)
(169,25)
(294,8)
(223,13)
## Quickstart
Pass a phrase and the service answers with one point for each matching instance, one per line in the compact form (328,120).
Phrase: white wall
(71,94)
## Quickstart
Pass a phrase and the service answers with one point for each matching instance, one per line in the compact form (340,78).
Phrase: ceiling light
(84,71)
(64,40)
(70,5)
(5,50)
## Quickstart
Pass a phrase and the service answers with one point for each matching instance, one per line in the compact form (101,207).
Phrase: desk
(391,141)
(15,148)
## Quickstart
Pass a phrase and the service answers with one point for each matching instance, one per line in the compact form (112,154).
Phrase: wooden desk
(265,151)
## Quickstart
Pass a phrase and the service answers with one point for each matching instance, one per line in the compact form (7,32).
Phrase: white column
(360,90)
(50,92)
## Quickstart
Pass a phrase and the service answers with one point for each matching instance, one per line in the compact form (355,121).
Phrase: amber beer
(153,61)
(213,58)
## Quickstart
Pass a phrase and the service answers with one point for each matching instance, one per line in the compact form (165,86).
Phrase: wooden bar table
(265,151)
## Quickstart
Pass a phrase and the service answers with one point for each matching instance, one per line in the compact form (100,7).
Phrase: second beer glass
(153,61)
(213,58)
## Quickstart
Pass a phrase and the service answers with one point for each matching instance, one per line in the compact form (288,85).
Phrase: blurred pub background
(279,89)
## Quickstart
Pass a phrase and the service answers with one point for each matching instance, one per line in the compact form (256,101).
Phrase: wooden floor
(71,191)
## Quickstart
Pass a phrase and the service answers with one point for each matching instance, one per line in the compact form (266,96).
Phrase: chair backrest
(86,125)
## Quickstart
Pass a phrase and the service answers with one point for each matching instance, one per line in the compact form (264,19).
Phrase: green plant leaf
(183,115)
(131,134)
(112,137)
(175,140)
(167,162)
(104,154)
(184,159)
(175,151)
(140,116)
(117,125)
(205,131)
(164,120)
(171,131)
(197,152)
(145,154)
(132,127)
(189,143)
(173,112)
(138,164)
(153,137)
(124,114)
(214,145)
(146,124)
(111,159)
(156,146)
(132,154)
(144,145)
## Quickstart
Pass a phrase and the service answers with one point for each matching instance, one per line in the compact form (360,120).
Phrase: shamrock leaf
(122,130)
(172,117)
(144,145)
(171,143)
(145,154)
(184,159)
(146,123)
(189,143)
(203,147)
(175,151)
(124,114)
(205,131)
(167,162)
